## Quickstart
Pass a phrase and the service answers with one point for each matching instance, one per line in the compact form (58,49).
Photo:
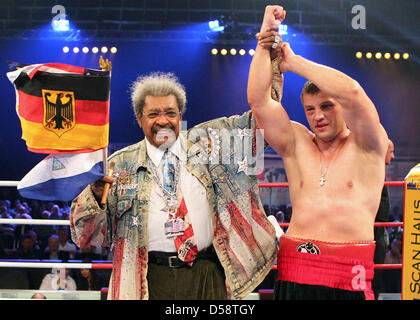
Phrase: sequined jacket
(244,239)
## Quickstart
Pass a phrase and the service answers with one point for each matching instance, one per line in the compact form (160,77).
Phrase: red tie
(185,244)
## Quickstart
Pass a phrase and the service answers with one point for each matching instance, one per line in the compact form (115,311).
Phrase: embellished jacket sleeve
(88,221)
(245,240)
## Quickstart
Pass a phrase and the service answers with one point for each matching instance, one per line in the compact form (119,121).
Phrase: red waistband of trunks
(347,266)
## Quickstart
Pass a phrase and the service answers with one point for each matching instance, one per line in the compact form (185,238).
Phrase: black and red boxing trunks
(319,270)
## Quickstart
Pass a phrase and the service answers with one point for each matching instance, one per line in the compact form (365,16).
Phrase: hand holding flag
(98,187)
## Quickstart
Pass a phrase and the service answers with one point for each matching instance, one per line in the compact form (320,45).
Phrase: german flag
(62,108)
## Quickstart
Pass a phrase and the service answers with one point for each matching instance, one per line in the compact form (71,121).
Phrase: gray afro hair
(157,84)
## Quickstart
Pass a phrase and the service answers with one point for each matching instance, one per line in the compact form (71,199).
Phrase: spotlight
(251,52)
(397,56)
(242,52)
(85,49)
(387,55)
(215,26)
(214,51)
(114,50)
(223,52)
(104,49)
(233,52)
(368,55)
(76,50)
(95,49)
(66,49)
(61,25)
(378,55)
(406,56)
(283,29)
(359,54)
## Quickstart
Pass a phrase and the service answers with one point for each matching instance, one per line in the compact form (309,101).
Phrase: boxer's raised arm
(269,113)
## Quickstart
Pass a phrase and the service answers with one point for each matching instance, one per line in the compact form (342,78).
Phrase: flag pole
(106,65)
(104,159)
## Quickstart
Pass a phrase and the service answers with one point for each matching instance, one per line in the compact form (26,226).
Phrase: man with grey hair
(182,223)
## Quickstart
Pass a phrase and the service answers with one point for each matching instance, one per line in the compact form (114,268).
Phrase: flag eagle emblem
(59,111)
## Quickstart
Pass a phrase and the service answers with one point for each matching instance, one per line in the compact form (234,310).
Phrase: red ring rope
(285,185)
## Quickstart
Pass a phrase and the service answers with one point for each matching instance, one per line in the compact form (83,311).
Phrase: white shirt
(69,247)
(195,199)
(50,282)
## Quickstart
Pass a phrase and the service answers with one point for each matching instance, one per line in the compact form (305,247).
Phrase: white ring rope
(35,221)
(9,183)
(46,265)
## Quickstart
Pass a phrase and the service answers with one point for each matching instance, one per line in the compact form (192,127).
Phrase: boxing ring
(46,264)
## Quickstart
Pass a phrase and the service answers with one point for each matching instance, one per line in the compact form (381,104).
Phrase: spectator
(4,212)
(35,209)
(87,279)
(64,244)
(65,215)
(19,210)
(60,280)
(21,229)
(12,209)
(392,277)
(394,254)
(34,236)
(396,214)
(55,212)
(7,231)
(288,213)
(38,296)
(3,254)
(88,253)
(8,204)
(379,232)
(26,249)
(52,251)
(44,231)
(280,216)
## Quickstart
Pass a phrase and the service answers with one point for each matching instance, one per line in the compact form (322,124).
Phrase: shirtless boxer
(335,172)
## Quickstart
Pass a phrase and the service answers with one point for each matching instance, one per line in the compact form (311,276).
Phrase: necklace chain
(323,179)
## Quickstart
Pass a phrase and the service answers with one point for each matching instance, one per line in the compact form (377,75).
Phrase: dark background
(172,36)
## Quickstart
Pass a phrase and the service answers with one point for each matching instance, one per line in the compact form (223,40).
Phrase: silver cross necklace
(323,179)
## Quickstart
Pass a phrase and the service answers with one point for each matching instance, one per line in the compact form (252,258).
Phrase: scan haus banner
(411,242)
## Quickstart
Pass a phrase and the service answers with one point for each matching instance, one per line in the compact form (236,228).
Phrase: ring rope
(285,184)
(261,185)
(67,222)
(35,221)
(56,265)
(8,264)
(74,265)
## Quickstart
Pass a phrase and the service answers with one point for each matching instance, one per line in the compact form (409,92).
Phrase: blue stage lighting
(215,26)
(283,29)
(61,25)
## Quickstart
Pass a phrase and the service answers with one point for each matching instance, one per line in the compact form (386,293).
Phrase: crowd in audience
(42,243)
(53,242)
